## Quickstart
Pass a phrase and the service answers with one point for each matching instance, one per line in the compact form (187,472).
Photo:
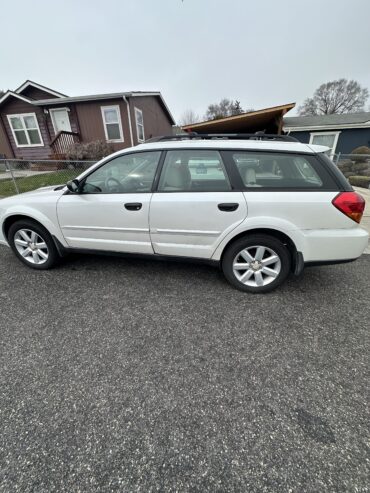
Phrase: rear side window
(193,171)
(269,170)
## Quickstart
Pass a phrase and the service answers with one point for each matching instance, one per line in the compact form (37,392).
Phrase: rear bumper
(334,245)
(329,262)
(299,265)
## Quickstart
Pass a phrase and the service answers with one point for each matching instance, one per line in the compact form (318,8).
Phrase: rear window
(282,171)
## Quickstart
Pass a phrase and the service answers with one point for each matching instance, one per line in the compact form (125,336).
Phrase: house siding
(91,124)
(35,93)
(303,137)
(156,122)
(348,139)
(5,148)
(16,106)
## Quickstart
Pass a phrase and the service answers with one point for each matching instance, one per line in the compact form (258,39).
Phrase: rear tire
(257,263)
(33,245)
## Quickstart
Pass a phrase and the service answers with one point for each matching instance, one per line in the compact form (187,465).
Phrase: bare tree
(189,116)
(226,107)
(2,93)
(338,96)
(236,108)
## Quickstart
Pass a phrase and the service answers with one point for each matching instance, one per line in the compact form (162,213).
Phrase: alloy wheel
(256,266)
(31,246)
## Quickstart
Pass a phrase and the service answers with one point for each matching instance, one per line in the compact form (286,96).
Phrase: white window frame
(21,117)
(52,111)
(336,137)
(112,107)
(138,110)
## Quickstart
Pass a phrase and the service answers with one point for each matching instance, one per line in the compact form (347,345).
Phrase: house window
(112,123)
(25,129)
(329,139)
(139,125)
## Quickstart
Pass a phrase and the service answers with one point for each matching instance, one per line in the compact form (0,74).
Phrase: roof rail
(197,136)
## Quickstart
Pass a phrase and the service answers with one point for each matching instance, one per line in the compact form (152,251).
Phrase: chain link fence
(18,176)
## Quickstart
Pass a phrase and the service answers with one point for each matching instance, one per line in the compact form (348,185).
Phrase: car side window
(193,171)
(281,171)
(132,173)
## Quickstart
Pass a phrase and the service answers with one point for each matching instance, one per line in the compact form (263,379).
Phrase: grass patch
(29,183)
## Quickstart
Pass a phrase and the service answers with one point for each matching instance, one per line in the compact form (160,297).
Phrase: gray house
(342,133)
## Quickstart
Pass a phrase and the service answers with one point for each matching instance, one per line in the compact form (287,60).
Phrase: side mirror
(73,186)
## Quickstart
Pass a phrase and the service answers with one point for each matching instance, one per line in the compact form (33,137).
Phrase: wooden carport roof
(269,120)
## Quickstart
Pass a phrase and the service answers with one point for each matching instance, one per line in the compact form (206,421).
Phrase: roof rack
(197,136)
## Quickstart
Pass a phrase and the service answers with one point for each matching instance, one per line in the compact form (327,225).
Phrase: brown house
(39,123)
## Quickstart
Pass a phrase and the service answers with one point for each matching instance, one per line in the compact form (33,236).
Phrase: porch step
(58,157)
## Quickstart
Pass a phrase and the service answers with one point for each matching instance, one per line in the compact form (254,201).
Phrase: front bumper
(2,237)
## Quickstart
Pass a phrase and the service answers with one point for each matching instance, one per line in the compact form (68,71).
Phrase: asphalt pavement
(138,376)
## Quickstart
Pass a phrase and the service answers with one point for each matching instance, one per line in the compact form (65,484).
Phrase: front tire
(256,263)
(33,244)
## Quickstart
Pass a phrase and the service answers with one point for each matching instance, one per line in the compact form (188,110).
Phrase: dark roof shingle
(327,120)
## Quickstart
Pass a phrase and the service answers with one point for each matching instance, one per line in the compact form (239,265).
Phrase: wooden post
(12,175)
(281,122)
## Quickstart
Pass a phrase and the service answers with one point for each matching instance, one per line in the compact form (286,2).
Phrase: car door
(111,211)
(194,206)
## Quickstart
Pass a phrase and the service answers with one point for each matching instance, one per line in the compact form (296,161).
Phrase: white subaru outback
(259,206)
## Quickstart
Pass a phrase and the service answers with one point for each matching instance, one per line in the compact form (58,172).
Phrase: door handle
(133,206)
(230,207)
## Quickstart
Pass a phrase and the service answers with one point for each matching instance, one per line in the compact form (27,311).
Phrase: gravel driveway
(132,375)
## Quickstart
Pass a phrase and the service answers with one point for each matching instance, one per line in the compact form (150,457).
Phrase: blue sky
(194,51)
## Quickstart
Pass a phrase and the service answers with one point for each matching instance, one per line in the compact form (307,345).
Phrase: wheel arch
(275,233)
(13,218)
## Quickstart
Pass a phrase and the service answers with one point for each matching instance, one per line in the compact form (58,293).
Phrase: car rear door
(292,189)
(194,206)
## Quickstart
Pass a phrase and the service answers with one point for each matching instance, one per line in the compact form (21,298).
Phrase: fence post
(11,172)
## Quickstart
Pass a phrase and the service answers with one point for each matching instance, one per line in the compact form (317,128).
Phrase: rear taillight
(351,204)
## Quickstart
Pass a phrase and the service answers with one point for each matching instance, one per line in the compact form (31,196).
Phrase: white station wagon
(260,206)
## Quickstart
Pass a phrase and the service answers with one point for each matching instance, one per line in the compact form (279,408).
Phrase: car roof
(259,145)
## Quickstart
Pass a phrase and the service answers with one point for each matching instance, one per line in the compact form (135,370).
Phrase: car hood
(51,191)
(52,188)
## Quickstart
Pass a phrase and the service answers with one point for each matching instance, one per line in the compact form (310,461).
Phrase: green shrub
(360,181)
(347,174)
(90,151)
(345,169)
(360,166)
(345,165)
(358,151)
